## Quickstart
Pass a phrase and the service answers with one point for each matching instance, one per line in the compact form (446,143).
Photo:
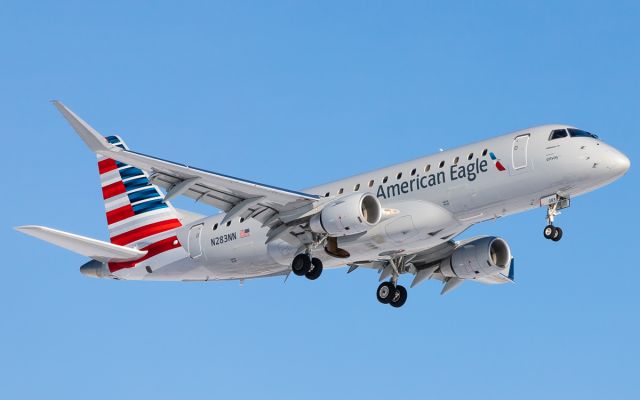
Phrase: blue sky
(295,94)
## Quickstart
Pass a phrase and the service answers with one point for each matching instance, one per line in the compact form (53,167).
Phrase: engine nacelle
(348,215)
(481,257)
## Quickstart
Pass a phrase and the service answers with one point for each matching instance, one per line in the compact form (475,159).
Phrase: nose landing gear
(554,204)
(552,233)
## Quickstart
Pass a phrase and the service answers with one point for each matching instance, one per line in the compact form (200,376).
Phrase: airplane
(397,220)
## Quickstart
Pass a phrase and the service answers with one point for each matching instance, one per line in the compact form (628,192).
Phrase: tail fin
(135,208)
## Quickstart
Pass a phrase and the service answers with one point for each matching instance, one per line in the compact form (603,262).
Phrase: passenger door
(519,153)
(195,244)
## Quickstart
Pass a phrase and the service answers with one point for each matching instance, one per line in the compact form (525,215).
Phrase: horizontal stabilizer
(92,248)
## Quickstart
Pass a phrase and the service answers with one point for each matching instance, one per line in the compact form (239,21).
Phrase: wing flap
(92,248)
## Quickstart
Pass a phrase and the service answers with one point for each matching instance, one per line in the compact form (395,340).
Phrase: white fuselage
(428,201)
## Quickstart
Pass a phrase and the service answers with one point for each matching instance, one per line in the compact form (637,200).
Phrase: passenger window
(356,188)
(341,191)
(326,194)
(413,172)
(228,223)
(386,178)
(215,227)
(470,156)
(371,183)
(557,134)
(484,152)
(399,175)
(427,168)
(455,160)
(441,164)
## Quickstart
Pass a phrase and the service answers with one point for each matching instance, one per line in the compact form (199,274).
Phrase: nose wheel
(552,232)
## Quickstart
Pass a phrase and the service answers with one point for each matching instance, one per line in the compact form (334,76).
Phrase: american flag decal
(245,233)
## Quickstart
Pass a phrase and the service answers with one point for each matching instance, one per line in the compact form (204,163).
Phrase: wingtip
(57,104)
(27,228)
(92,138)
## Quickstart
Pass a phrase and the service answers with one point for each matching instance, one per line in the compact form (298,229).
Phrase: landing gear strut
(304,264)
(554,204)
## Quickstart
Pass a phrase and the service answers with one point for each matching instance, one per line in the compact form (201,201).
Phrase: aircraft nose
(620,163)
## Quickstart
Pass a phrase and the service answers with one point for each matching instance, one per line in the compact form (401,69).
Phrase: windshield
(557,134)
(580,133)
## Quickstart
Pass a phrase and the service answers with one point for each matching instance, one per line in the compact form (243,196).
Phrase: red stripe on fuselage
(152,250)
(106,165)
(145,231)
(119,214)
(114,189)
(500,166)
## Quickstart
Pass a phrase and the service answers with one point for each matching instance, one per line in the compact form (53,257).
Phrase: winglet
(94,140)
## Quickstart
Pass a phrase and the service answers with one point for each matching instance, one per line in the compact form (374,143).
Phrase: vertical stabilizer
(137,215)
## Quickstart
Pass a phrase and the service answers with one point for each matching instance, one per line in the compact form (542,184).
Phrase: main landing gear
(392,294)
(304,264)
(555,203)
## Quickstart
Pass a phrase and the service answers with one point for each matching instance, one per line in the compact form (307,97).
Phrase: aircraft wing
(425,263)
(420,260)
(237,197)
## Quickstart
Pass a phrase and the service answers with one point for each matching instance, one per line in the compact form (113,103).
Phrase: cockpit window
(557,134)
(580,133)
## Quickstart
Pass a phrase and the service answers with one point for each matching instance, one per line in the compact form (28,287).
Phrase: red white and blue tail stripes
(136,211)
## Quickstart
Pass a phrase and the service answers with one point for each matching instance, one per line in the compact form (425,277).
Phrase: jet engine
(478,258)
(348,215)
